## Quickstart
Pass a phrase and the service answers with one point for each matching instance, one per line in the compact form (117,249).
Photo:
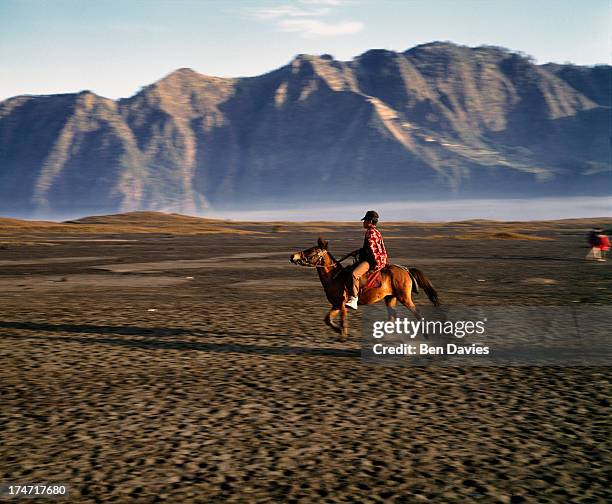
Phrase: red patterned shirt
(377,248)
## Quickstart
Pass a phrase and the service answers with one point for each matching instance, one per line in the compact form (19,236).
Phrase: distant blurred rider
(594,241)
(604,245)
(372,256)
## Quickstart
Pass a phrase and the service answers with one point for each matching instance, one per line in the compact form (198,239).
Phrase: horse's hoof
(334,328)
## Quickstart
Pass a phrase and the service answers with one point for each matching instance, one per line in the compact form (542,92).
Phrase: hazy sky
(114,47)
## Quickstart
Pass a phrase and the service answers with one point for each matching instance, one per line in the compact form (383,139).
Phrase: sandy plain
(146,363)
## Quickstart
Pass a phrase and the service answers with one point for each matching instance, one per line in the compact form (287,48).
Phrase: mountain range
(437,121)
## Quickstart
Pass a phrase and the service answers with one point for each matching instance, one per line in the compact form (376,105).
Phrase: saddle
(373,279)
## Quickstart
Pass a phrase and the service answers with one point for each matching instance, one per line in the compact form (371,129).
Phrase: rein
(321,255)
(346,257)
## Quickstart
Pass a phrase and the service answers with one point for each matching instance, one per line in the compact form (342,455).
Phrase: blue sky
(114,47)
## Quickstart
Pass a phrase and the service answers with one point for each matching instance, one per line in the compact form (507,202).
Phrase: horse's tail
(427,286)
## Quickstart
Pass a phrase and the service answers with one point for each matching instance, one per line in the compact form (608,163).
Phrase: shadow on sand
(156,344)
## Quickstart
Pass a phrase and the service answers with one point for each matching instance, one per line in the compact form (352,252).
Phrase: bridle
(320,255)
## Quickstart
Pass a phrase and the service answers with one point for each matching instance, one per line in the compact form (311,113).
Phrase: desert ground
(150,357)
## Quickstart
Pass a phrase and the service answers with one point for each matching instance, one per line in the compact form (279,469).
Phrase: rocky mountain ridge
(436,121)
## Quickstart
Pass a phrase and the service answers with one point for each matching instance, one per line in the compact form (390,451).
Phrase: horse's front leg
(344,332)
(329,319)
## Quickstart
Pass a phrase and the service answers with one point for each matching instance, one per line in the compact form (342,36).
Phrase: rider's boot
(352,302)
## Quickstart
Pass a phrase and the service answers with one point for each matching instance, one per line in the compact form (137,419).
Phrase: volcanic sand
(227,387)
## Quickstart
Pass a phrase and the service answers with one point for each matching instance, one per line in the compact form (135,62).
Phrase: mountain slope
(437,120)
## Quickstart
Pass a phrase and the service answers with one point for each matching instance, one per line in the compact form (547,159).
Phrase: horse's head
(311,257)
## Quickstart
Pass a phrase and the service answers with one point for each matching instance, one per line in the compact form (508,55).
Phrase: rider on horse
(372,256)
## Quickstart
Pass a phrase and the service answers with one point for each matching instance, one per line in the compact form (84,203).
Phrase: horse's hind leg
(329,319)
(391,301)
(402,289)
(406,300)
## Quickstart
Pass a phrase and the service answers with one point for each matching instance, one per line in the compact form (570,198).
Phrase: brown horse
(396,283)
